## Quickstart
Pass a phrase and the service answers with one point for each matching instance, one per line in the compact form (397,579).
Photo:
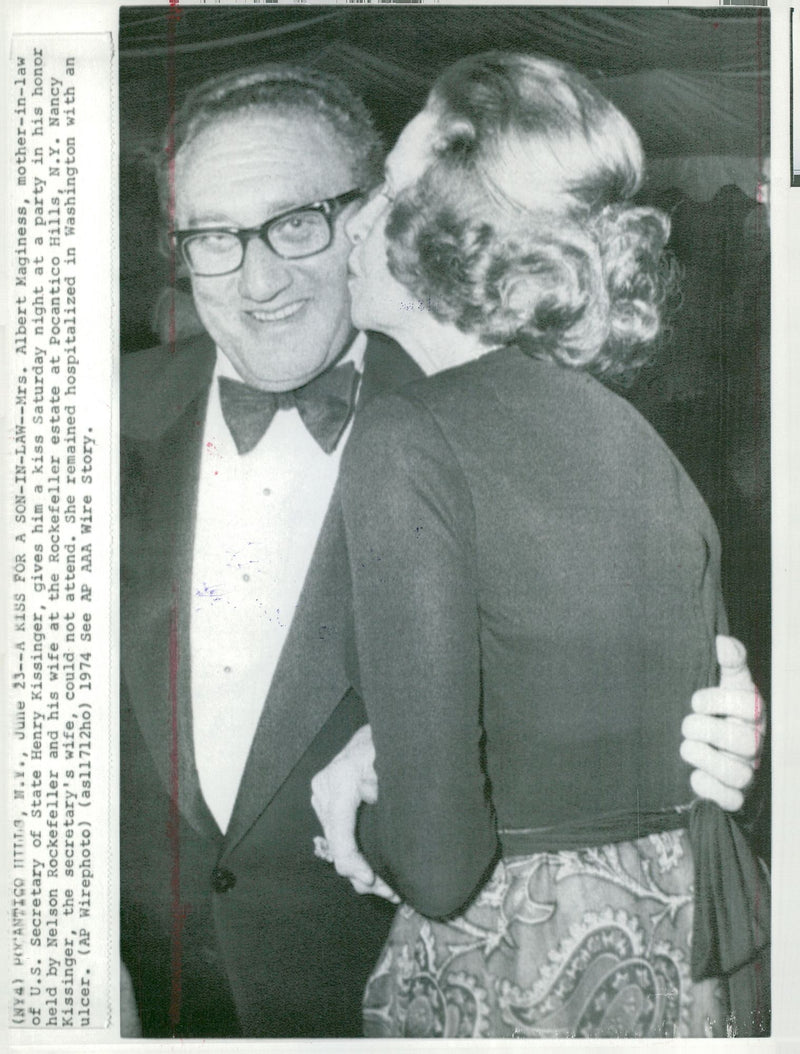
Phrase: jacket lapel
(165,396)
(311,678)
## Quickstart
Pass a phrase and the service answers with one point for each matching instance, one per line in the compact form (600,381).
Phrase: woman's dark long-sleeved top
(536,594)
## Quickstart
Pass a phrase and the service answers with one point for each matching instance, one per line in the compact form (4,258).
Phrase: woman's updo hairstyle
(521,229)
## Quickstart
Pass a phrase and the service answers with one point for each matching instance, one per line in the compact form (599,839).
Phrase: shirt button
(266,492)
(246,578)
(226,669)
(222,880)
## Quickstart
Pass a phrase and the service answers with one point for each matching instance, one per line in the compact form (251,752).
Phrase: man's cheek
(214,310)
(214,294)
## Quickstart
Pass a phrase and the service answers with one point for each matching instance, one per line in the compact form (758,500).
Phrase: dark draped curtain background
(695,84)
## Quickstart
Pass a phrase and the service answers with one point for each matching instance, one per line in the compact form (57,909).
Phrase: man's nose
(263,274)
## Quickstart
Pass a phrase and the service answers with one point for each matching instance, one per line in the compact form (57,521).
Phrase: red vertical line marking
(173,822)
(757,410)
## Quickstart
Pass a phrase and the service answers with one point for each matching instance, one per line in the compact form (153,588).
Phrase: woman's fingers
(336,811)
(337,792)
(321,849)
(352,865)
(377,888)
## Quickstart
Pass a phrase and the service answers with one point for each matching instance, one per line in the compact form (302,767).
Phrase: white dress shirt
(258,519)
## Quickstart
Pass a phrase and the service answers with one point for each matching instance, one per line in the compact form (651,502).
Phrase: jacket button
(222,880)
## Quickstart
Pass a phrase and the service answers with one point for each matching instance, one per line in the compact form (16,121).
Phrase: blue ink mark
(214,593)
(236,561)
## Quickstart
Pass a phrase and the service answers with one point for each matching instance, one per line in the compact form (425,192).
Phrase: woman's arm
(410,536)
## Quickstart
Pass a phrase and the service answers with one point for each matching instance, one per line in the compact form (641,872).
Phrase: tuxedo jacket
(246,932)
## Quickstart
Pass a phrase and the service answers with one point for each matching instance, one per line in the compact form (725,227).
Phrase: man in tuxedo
(234,578)
(234,574)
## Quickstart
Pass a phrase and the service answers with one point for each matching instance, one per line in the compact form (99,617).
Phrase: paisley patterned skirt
(586,943)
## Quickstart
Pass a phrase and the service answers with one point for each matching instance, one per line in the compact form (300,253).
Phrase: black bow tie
(324,404)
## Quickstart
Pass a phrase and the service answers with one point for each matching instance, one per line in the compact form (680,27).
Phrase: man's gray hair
(280,87)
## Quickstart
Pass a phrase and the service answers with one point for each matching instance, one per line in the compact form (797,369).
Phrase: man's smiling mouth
(278,314)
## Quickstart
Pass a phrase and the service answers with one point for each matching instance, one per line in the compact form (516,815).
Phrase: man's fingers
(744,703)
(741,738)
(732,659)
(726,768)
(706,786)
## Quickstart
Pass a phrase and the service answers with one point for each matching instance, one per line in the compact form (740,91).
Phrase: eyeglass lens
(293,236)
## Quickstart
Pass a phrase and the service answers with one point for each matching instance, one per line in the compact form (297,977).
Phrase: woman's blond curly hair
(522,229)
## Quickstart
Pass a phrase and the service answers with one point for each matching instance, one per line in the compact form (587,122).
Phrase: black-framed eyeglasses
(299,232)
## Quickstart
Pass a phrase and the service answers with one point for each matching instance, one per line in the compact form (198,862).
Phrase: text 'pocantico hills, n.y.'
(59,719)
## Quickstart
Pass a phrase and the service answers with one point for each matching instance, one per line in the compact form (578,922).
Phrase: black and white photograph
(400,488)
(445,522)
